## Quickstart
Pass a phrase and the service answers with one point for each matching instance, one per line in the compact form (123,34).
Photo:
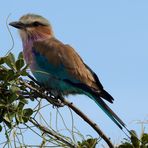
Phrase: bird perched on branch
(58,66)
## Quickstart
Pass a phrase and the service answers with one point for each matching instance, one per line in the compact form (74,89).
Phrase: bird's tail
(110,113)
(95,96)
(114,117)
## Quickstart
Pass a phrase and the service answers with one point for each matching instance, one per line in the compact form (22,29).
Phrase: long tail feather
(109,112)
(95,96)
(114,117)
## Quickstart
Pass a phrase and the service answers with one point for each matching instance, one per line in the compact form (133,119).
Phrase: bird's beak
(17,25)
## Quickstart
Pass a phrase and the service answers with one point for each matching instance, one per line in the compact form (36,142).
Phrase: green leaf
(27,113)
(134,139)
(10,60)
(14,89)
(24,73)
(2,106)
(89,143)
(11,57)
(12,98)
(21,104)
(125,145)
(19,64)
(20,112)
(20,56)
(19,116)
(7,121)
(2,60)
(144,139)
(9,75)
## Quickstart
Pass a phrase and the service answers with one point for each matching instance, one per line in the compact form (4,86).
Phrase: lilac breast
(28,54)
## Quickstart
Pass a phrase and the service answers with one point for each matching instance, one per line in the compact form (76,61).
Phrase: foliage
(135,142)
(89,143)
(17,116)
(12,103)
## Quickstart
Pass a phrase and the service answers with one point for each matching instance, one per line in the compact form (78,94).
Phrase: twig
(89,121)
(46,130)
(10,35)
(43,95)
(76,110)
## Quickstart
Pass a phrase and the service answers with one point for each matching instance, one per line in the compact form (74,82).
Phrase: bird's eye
(35,24)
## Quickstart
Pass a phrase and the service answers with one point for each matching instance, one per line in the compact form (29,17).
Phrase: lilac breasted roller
(57,66)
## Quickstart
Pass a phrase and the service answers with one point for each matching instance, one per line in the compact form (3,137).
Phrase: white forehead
(30,18)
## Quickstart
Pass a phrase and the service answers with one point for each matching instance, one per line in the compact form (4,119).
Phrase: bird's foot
(59,99)
(55,98)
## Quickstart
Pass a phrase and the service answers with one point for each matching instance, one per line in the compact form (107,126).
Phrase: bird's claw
(58,101)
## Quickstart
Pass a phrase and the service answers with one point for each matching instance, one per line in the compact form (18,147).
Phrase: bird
(58,66)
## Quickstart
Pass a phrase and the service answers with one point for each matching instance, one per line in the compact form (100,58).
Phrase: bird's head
(33,27)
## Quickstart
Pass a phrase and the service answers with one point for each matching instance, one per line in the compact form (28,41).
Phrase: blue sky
(111,37)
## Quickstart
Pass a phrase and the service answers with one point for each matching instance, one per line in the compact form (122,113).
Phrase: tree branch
(76,110)
(54,134)
(89,121)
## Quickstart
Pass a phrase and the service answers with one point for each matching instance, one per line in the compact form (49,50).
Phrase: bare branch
(54,134)
(76,110)
(90,122)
